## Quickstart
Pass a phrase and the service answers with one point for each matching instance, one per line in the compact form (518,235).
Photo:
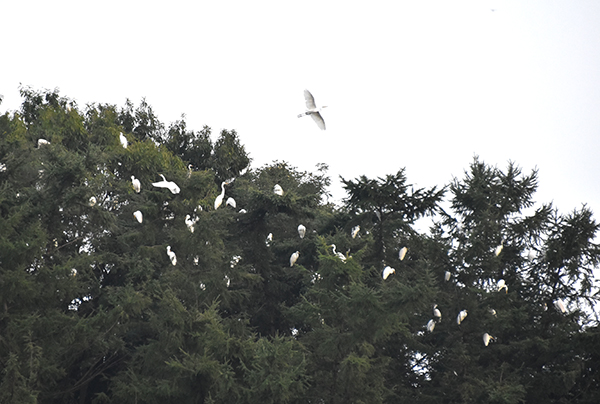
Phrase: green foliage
(93,310)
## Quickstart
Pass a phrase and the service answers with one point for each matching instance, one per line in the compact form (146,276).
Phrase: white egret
(196,260)
(42,142)
(2,167)
(560,305)
(92,201)
(73,272)
(493,312)
(231,202)
(137,186)
(338,254)
(301,230)
(189,222)
(502,285)
(278,190)
(170,185)
(138,215)
(387,271)
(269,239)
(447,276)
(402,253)
(294,258)
(234,260)
(355,231)
(123,140)
(487,338)
(436,312)
(219,198)
(171,255)
(498,249)
(189,174)
(312,110)
(202,286)
(461,316)
(430,325)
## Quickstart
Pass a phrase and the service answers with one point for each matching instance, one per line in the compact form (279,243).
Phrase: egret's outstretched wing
(310,101)
(318,119)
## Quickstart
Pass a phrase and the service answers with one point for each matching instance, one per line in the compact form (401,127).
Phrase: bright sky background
(424,85)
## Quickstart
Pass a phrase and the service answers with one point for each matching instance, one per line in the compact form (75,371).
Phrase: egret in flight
(430,325)
(138,215)
(461,316)
(387,271)
(502,285)
(312,110)
(402,253)
(355,231)
(167,184)
(171,255)
(301,230)
(278,190)
(137,186)
(294,258)
(123,140)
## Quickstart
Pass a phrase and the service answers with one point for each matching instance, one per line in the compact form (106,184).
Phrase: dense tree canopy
(94,310)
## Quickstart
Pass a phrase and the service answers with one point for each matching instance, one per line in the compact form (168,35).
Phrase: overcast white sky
(424,85)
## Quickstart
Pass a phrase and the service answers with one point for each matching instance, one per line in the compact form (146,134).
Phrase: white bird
(227,280)
(189,222)
(294,258)
(219,198)
(461,316)
(137,186)
(189,174)
(355,231)
(502,285)
(402,253)
(338,254)
(123,140)
(138,215)
(487,338)
(171,255)
(278,190)
(242,211)
(269,239)
(73,272)
(447,276)
(436,312)
(387,271)
(2,167)
(92,201)
(231,202)
(430,325)
(498,249)
(167,184)
(560,305)
(42,142)
(301,230)
(493,312)
(312,110)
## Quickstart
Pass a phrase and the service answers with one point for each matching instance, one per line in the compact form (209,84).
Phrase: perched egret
(138,215)
(502,285)
(231,202)
(430,325)
(2,167)
(73,272)
(301,230)
(294,258)
(402,253)
(312,110)
(436,312)
(493,312)
(498,249)
(137,186)
(202,286)
(167,184)
(123,140)
(387,271)
(560,305)
(171,255)
(447,276)
(278,190)
(355,231)
(461,316)
(189,174)
(42,142)
(269,239)
(219,198)
(189,222)
(92,201)
(338,254)
(196,260)
(487,338)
